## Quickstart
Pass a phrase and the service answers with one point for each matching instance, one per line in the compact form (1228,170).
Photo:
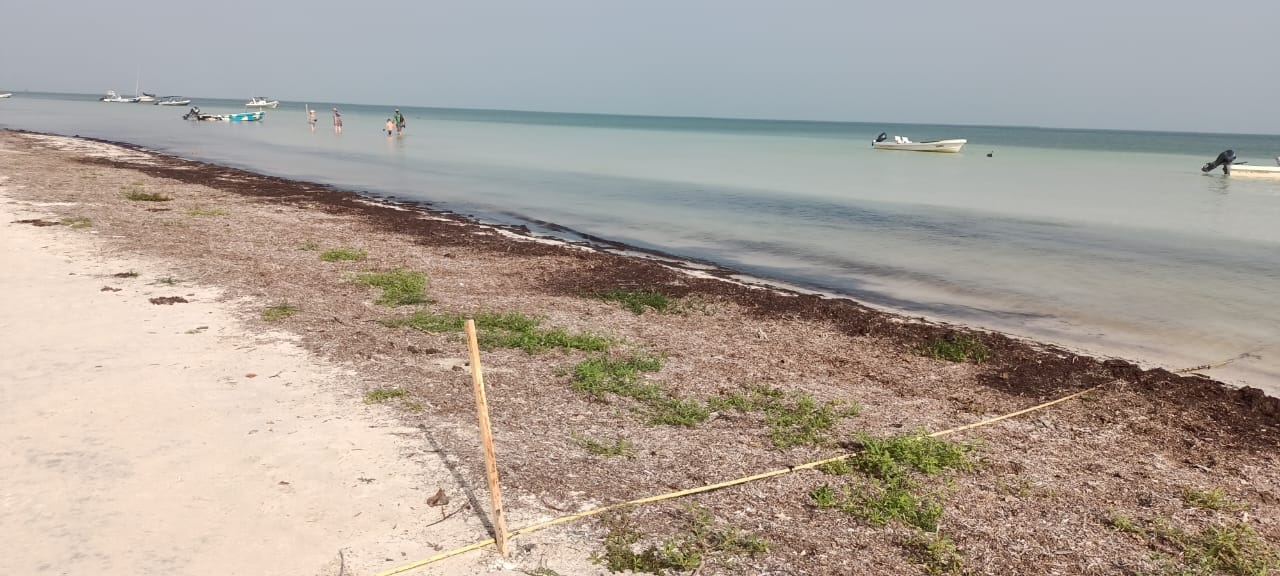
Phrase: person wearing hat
(399,119)
(337,121)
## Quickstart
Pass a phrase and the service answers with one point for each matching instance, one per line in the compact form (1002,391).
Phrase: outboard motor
(882,137)
(1225,159)
(193,114)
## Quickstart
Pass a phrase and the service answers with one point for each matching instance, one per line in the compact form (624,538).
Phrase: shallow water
(1112,242)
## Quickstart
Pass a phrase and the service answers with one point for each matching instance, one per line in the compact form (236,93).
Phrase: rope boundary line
(718,485)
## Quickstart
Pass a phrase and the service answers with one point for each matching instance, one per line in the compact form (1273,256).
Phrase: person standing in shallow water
(391,126)
(311,118)
(399,118)
(337,121)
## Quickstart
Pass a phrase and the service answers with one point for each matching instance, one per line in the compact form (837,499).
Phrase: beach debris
(109,289)
(38,222)
(168,300)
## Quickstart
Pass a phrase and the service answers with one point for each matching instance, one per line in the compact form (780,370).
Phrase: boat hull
(271,104)
(1247,170)
(182,102)
(6,95)
(945,146)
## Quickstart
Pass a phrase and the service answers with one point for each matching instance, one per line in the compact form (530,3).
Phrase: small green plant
(504,330)
(379,395)
(637,300)
(168,281)
(77,222)
(1212,499)
(677,412)
(685,551)
(794,419)
(140,196)
(310,246)
(343,254)
(279,312)
(542,571)
(839,467)
(1233,549)
(888,458)
(414,406)
(618,447)
(956,348)
(937,552)
(129,274)
(601,375)
(399,287)
(207,212)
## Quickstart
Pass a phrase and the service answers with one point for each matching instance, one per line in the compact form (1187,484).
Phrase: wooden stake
(486,439)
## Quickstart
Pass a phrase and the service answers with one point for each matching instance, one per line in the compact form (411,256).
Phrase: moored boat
(113,97)
(903,143)
(173,101)
(195,114)
(5,94)
(145,97)
(260,102)
(1230,167)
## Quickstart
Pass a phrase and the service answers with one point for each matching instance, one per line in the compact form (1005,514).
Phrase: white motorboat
(173,101)
(882,142)
(145,97)
(113,97)
(6,94)
(1230,167)
(259,102)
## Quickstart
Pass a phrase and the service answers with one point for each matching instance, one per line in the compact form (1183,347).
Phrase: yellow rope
(1219,364)
(717,486)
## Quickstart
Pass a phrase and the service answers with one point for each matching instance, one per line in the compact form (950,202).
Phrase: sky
(1172,65)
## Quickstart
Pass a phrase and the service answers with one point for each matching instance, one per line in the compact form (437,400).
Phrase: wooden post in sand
(486,439)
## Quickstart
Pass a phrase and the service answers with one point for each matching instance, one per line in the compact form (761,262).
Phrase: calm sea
(1111,242)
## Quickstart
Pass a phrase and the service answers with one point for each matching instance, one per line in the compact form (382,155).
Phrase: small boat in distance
(113,97)
(5,94)
(260,102)
(144,97)
(173,101)
(903,143)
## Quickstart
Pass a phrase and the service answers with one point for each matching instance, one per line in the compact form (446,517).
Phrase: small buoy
(990,154)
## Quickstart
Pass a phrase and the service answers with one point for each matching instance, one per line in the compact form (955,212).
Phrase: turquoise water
(1111,242)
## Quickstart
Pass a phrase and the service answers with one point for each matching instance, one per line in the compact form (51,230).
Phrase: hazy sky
(1173,65)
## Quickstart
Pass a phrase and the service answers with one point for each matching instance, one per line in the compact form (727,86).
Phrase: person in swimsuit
(337,121)
(391,126)
(399,118)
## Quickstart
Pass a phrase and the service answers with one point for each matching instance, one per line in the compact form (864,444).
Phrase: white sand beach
(166,439)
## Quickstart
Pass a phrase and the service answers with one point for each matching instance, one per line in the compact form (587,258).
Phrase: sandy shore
(170,439)
(146,470)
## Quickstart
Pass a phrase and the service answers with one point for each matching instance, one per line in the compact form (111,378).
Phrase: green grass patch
(677,412)
(639,300)
(207,212)
(343,254)
(794,419)
(279,312)
(399,287)
(140,196)
(504,330)
(379,395)
(936,552)
(617,447)
(77,222)
(890,492)
(881,502)
(956,348)
(699,543)
(602,375)
(1234,549)
(310,246)
(1212,499)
